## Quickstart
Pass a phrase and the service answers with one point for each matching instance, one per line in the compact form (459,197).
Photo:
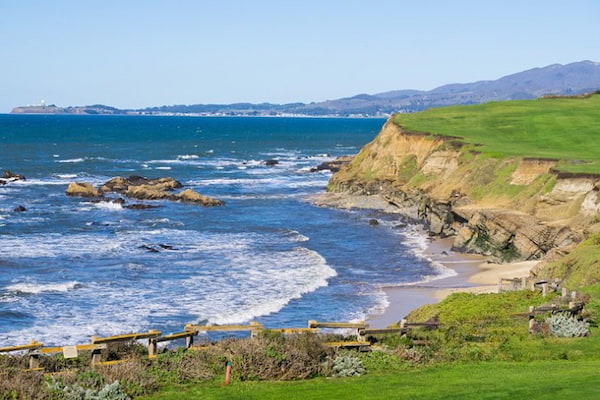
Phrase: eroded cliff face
(515,208)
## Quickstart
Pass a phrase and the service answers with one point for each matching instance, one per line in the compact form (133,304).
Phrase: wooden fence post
(531,319)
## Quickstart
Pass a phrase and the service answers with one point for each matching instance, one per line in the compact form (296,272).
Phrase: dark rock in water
(8,176)
(139,206)
(271,163)
(334,165)
(166,246)
(373,222)
(13,177)
(20,209)
(149,248)
(118,200)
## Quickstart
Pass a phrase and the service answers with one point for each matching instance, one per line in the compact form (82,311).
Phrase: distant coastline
(557,79)
(107,110)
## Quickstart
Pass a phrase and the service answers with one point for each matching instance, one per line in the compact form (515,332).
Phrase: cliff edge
(510,208)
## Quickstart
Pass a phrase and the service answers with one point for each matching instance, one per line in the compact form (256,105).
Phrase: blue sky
(133,54)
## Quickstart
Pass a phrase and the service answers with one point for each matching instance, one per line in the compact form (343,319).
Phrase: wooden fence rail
(99,345)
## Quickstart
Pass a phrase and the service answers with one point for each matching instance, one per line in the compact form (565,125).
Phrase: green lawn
(534,380)
(562,128)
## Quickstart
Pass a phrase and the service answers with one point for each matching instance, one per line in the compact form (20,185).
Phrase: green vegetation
(482,350)
(581,267)
(559,128)
(535,380)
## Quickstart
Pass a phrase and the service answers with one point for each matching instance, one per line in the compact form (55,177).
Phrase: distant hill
(575,78)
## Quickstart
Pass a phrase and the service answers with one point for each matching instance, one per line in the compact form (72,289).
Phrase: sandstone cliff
(508,208)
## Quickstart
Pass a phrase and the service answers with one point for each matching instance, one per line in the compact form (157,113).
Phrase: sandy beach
(474,273)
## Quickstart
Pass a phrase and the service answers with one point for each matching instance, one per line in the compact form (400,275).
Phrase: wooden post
(189,341)
(544,289)
(573,295)
(563,293)
(531,318)
(499,284)
(152,347)
(256,328)
(403,323)
(96,356)
(523,283)
(34,360)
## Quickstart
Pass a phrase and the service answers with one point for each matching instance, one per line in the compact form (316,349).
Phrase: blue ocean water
(71,268)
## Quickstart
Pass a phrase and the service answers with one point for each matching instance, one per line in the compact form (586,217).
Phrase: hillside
(504,179)
(569,79)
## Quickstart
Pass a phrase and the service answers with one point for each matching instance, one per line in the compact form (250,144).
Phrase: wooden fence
(99,345)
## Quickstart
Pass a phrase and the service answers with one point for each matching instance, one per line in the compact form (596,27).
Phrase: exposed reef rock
(8,176)
(510,209)
(82,189)
(137,187)
(334,165)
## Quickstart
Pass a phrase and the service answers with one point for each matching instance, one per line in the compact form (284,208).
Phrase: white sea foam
(71,160)
(66,176)
(55,245)
(188,157)
(37,288)
(250,283)
(108,205)
(163,168)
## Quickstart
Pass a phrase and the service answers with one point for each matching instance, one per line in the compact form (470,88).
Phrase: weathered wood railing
(99,345)
(358,327)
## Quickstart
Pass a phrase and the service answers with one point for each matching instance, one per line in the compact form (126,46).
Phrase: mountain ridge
(555,79)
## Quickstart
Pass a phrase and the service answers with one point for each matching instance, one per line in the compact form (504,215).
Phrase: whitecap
(37,288)
(108,205)
(188,157)
(71,160)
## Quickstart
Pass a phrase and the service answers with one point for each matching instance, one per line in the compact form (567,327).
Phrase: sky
(135,54)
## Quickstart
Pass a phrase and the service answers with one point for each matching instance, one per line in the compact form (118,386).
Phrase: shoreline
(474,273)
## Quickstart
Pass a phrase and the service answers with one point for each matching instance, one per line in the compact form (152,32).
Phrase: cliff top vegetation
(563,128)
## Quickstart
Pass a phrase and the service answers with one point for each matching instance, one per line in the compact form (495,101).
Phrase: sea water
(71,268)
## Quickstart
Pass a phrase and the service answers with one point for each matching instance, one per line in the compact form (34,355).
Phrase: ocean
(71,268)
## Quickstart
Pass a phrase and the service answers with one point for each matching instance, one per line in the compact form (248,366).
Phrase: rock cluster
(334,165)
(8,176)
(141,188)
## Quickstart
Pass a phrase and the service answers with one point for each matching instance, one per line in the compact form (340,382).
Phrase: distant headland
(556,79)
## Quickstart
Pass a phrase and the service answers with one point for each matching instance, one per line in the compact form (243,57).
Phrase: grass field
(496,380)
(567,129)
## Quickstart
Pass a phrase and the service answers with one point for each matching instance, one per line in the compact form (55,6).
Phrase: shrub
(347,365)
(565,325)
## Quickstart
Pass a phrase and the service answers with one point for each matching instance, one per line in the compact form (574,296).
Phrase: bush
(276,357)
(347,365)
(565,325)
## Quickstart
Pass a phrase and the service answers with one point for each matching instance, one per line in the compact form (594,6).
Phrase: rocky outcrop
(8,176)
(189,196)
(509,209)
(122,185)
(137,187)
(82,189)
(333,165)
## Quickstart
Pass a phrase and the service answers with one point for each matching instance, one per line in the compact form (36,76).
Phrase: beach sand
(474,274)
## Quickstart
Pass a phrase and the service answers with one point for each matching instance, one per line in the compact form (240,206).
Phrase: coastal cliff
(509,208)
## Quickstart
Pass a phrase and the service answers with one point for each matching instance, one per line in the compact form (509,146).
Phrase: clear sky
(132,54)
